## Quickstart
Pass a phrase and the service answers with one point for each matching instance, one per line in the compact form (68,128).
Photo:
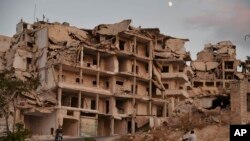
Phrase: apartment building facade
(99,82)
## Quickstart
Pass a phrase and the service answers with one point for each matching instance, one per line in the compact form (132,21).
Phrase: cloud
(229,19)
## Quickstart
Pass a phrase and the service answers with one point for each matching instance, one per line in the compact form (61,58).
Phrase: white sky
(202,21)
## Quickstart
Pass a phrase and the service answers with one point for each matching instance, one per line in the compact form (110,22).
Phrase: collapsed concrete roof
(112,29)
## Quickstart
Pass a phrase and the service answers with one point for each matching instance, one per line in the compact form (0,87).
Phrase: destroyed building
(114,79)
(214,70)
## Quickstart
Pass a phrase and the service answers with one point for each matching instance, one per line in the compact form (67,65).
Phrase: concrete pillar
(60,73)
(98,60)
(81,59)
(134,49)
(171,106)
(112,125)
(59,97)
(97,102)
(133,125)
(165,109)
(79,99)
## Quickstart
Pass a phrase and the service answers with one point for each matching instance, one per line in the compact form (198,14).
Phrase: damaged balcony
(182,93)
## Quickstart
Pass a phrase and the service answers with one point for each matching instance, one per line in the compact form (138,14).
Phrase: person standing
(59,134)
(192,136)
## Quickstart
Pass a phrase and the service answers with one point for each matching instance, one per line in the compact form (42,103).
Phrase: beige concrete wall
(88,80)
(103,126)
(120,127)
(142,69)
(142,88)
(41,41)
(128,44)
(244,112)
(125,65)
(88,126)
(40,125)
(154,110)
(70,77)
(51,78)
(105,83)
(109,64)
(102,106)
(88,59)
(141,108)
(20,60)
(142,49)
(127,84)
(4,43)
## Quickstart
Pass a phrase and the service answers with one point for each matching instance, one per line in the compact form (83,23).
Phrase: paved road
(109,138)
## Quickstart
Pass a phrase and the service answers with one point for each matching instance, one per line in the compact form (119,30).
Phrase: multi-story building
(114,79)
(214,70)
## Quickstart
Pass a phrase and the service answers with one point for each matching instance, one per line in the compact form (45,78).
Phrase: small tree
(10,88)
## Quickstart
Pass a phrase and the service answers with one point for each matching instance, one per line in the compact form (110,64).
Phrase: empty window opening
(88,114)
(120,105)
(159,112)
(74,102)
(107,84)
(181,69)
(119,83)
(88,64)
(229,64)
(147,51)
(248,102)
(93,104)
(229,76)
(175,68)
(77,80)
(220,101)
(29,60)
(218,84)
(166,86)
(129,127)
(147,89)
(51,131)
(146,67)
(70,112)
(30,44)
(227,85)
(94,62)
(198,84)
(137,69)
(94,83)
(107,106)
(209,84)
(165,69)
(121,45)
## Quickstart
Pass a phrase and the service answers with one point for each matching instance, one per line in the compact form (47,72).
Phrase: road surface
(109,138)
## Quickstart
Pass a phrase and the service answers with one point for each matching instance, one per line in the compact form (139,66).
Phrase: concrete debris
(112,29)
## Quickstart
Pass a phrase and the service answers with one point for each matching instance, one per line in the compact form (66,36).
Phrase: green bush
(19,135)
